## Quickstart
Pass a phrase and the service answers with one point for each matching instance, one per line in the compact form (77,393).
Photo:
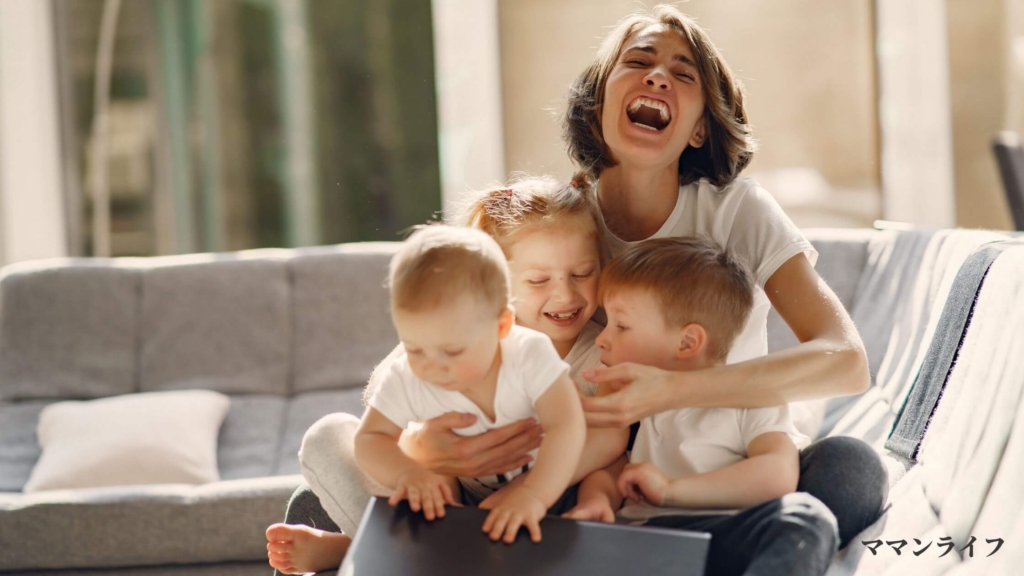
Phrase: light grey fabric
(139,526)
(249,438)
(935,351)
(221,325)
(68,330)
(889,277)
(329,467)
(19,447)
(966,439)
(871,415)
(342,318)
(303,411)
(894,260)
(910,516)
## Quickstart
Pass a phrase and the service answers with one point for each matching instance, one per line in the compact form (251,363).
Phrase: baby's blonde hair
(506,212)
(437,263)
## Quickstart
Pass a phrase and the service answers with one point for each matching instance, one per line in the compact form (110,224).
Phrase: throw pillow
(147,438)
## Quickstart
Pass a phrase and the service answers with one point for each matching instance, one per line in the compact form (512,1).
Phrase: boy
(461,352)
(678,304)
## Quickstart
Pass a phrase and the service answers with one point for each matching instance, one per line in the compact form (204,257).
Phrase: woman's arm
(830,361)
(440,450)
(771,470)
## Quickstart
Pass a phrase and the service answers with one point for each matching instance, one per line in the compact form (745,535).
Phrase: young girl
(550,233)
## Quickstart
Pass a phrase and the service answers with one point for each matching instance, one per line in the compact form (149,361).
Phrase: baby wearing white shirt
(460,351)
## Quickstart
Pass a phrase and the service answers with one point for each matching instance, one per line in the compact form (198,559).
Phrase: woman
(658,119)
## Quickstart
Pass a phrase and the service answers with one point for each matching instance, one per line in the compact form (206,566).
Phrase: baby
(461,351)
(678,304)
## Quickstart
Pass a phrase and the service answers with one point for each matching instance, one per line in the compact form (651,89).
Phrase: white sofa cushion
(152,438)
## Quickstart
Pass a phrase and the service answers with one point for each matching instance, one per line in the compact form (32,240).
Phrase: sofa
(292,335)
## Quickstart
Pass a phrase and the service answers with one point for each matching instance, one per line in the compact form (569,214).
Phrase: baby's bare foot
(298,549)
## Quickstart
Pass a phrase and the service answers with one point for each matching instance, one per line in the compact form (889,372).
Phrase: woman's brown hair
(730,143)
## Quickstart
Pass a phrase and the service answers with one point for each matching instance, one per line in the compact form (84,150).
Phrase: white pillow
(148,438)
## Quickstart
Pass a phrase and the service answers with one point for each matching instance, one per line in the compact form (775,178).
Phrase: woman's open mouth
(566,318)
(648,114)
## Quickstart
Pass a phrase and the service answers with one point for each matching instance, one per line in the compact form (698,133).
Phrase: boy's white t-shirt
(692,441)
(746,220)
(529,366)
(585,355)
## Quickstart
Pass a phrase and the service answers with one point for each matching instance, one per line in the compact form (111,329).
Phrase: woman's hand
(644,483)
(640,391)
(443,452)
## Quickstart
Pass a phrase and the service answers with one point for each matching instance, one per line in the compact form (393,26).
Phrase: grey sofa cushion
(139,526)
(19,447)
(342,318)
(250,436)
(257,568)
(303,411)
(68,330)
(216,322)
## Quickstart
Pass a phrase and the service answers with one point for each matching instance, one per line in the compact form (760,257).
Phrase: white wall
(469,101)
(31,203)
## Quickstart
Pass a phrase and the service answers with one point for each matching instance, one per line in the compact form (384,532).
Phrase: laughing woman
(658,120)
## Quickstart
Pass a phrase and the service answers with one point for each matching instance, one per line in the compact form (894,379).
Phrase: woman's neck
(637,202)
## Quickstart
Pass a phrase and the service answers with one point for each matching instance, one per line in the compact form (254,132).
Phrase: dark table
(397,541)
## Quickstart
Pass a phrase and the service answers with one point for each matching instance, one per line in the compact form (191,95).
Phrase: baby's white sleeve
(391,393)
(539,364)
(757,421)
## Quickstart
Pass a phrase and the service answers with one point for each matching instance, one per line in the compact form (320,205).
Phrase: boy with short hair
(462,352)
(678,304)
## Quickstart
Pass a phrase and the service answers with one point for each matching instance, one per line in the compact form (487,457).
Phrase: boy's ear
(700,133)
(693,339)
(506,321)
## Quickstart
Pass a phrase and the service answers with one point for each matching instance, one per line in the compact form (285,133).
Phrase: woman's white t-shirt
(746,220)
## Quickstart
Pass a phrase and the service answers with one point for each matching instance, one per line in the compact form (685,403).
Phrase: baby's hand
(596,509)
(520,507)
(644,482)
(424,490)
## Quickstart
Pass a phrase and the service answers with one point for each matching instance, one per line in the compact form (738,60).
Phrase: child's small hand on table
(521,506)
(644,482)
(424,490)
(596,509)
